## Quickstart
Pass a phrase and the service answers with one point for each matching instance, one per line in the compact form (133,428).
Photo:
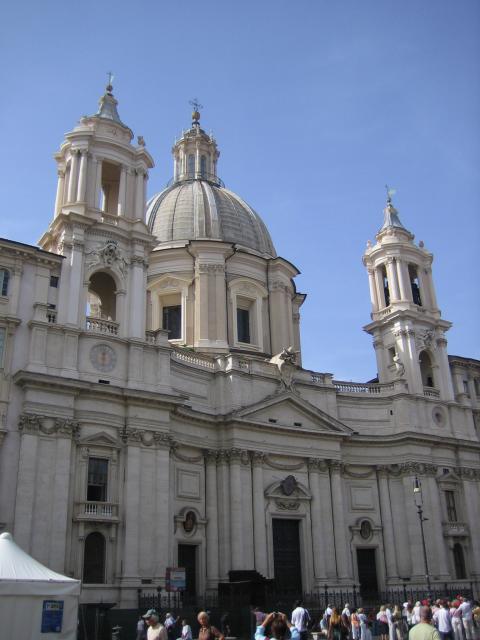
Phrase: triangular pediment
(290,410)
(101,439)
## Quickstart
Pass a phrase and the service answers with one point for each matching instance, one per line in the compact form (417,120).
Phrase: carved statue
(399,366)
(286,363)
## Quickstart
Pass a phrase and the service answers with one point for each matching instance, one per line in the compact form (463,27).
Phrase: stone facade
(113,424)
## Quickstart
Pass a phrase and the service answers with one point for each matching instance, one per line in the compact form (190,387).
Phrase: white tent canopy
(31,596)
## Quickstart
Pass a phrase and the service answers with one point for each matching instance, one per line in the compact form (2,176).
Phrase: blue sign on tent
(52,616)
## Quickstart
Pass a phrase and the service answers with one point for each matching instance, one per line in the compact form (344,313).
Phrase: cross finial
(110,81)
(390,193)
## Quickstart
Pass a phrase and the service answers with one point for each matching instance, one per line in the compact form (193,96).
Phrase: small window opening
(110,187)
(273,420)
(386,289)
(426,370)
(415,285)
(451,506)
(4,278)
(297,424)
(465,387)
(459,562)
(94,559)
(191,165)
(54,281)
(101,297)
(97,480)
(203,166)
(172,321)
(243,325)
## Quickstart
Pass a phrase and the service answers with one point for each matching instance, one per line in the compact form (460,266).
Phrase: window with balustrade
(426,369)
(451,506)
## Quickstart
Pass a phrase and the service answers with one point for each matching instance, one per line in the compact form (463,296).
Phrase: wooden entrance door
(286,556)
(187,557)
(367,573)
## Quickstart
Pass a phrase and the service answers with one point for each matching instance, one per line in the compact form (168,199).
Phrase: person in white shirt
(467,618)
(300,619)
(456,617)
(156,630)
(443,622)
(186,631)
(416,613)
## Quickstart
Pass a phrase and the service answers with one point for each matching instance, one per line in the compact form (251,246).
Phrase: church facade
(155,413)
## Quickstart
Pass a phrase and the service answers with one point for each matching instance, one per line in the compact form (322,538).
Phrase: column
(211,509)
(318,549)
(25,495)
(379,286)
(202,274)
(327,520)
(74,312)
(197,161)
(414,532)
(82,176)
(431,287)
(139,201)
(392,280)
(404,280)
(224,513)
(137,298)
(60,503)
(446,384)
(373,290)
(60,191)
(72,183)
(97,163)
(471,490)
(122,191)
(342,549)
(434,525)
(424,289)
(220,306)
(132,513)
(236,515)
(259,524)
(163,531)
(389,546)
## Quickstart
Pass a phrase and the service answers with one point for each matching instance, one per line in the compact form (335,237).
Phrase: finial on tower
(196,110)
(109,87)
(390,192)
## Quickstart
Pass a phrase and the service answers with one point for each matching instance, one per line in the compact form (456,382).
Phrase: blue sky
(315,106)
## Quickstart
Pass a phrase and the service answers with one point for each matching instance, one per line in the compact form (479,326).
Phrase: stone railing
(51,316)
(430,392)
(455,529)
(98,325)
(97,511)
(366,388)
(192,358)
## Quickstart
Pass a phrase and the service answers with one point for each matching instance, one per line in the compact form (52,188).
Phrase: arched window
(191,165)
(459,562)
(426,370)
(101,297)
(386,289)
(414,284)
(4,278)
(94,559)
(203,166)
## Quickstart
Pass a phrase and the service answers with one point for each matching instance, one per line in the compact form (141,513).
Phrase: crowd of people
(458,619)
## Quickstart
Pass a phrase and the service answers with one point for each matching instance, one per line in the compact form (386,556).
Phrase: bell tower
(99,225)
(407,329)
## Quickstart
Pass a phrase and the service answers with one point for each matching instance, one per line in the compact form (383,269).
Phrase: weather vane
(390,193)
(196,104)
(110,79)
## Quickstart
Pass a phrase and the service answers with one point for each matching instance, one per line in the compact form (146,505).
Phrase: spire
(108,105)
(391,218)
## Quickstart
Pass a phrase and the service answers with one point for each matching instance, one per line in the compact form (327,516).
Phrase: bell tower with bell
(407,329)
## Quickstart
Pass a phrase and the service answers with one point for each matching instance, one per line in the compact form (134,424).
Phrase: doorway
(367,573)
(286,556)
(187,558)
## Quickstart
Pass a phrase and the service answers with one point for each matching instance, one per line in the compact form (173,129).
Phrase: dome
(199,209)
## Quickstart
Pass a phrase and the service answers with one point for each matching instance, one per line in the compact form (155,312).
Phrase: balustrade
(367,388)
(98,325)
(90,510)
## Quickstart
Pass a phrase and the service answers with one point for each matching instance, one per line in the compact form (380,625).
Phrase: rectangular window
(243,325)
(172,321)
(54,281)
(4,278)
(3,334)
(97,480)
(465,387)
(451,507)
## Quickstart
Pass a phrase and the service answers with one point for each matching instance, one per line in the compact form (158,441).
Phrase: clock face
(103,357)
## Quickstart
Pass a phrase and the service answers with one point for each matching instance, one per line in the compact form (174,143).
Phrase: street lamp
(417,496)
